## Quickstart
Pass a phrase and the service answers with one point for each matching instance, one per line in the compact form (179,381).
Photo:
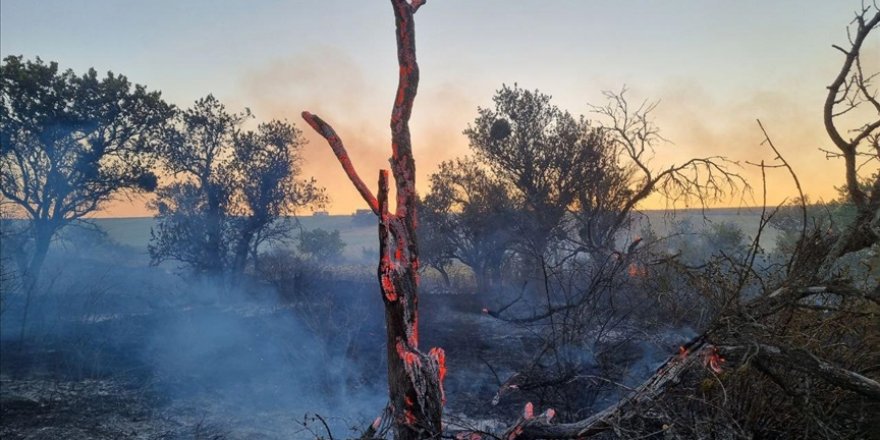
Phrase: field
(114,346)
(359,234)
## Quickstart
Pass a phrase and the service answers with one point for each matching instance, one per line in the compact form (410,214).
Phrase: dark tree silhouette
(539,151)
(321,245)
(233,190)
(849,90)
(68,144)
(414,378)
(470,215)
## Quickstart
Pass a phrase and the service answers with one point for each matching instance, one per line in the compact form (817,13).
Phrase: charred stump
(414,378)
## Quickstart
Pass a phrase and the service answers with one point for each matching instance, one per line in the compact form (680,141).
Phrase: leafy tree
(438,250)
(321,245)
(234,187)
(602,195)
(265,166)
(470,218)
(69,143)
(539,151)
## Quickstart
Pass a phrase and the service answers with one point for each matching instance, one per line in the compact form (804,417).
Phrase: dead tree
(414,378)
(850,90)
(777,336)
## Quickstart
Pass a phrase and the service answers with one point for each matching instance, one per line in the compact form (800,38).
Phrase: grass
(359,235)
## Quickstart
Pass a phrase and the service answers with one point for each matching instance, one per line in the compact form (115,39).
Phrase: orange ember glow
(515,433)
(408,413)
(414,333)
(440,356)
(385,277)
(409,358)
(714,361)
(388,287)
(529,411)
(636,270)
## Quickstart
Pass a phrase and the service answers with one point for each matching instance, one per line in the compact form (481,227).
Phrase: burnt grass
(100,372)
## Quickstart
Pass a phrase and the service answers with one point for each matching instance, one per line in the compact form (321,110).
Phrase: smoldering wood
(414,378)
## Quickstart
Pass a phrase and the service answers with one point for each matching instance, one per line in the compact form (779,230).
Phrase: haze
(715,66)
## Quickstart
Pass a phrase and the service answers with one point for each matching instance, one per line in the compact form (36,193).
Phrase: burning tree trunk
(414,378)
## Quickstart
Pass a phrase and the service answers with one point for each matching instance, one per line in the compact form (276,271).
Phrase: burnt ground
(246,369)
(36,408)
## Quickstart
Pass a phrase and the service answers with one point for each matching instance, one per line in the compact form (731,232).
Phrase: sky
(714,66)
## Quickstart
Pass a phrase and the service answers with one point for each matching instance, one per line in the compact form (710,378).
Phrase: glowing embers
(385,270)
(529,415)
(529,411)
(710,356)
(408,415)
(409,357)
(636,270)
(713,360)
(439,356)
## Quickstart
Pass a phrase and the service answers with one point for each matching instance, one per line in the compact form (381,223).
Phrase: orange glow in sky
(715,67)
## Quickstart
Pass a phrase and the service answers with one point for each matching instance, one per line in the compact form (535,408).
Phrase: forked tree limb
(864,26)
(325,130)
(414,378)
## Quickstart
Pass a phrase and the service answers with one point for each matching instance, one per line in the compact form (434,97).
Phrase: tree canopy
(233,187)
(69,142)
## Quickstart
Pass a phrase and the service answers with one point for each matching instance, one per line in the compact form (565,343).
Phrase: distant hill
(359,233)
(135,231)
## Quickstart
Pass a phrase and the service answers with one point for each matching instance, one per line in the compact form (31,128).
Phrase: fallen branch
(806,362)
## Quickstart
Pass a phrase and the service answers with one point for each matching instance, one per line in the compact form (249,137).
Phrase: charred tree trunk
(414,378)
(43,231)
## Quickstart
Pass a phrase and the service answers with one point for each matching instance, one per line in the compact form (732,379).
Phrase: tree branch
(402,163)
(325,130)
(848,148)
(806,362)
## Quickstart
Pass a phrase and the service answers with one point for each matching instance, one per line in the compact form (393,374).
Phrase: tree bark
(414,378)
(43,232)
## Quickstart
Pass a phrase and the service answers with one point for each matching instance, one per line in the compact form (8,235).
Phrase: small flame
(440,357)
(410,358)
(529,411)
(636,270)
(714,361)
(408,415)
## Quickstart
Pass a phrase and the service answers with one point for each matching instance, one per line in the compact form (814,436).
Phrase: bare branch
(325,130)
(836,96)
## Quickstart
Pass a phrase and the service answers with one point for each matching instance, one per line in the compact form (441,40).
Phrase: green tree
(538,149)
(234,187)
(69,143)
(468,216)
(321,245)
